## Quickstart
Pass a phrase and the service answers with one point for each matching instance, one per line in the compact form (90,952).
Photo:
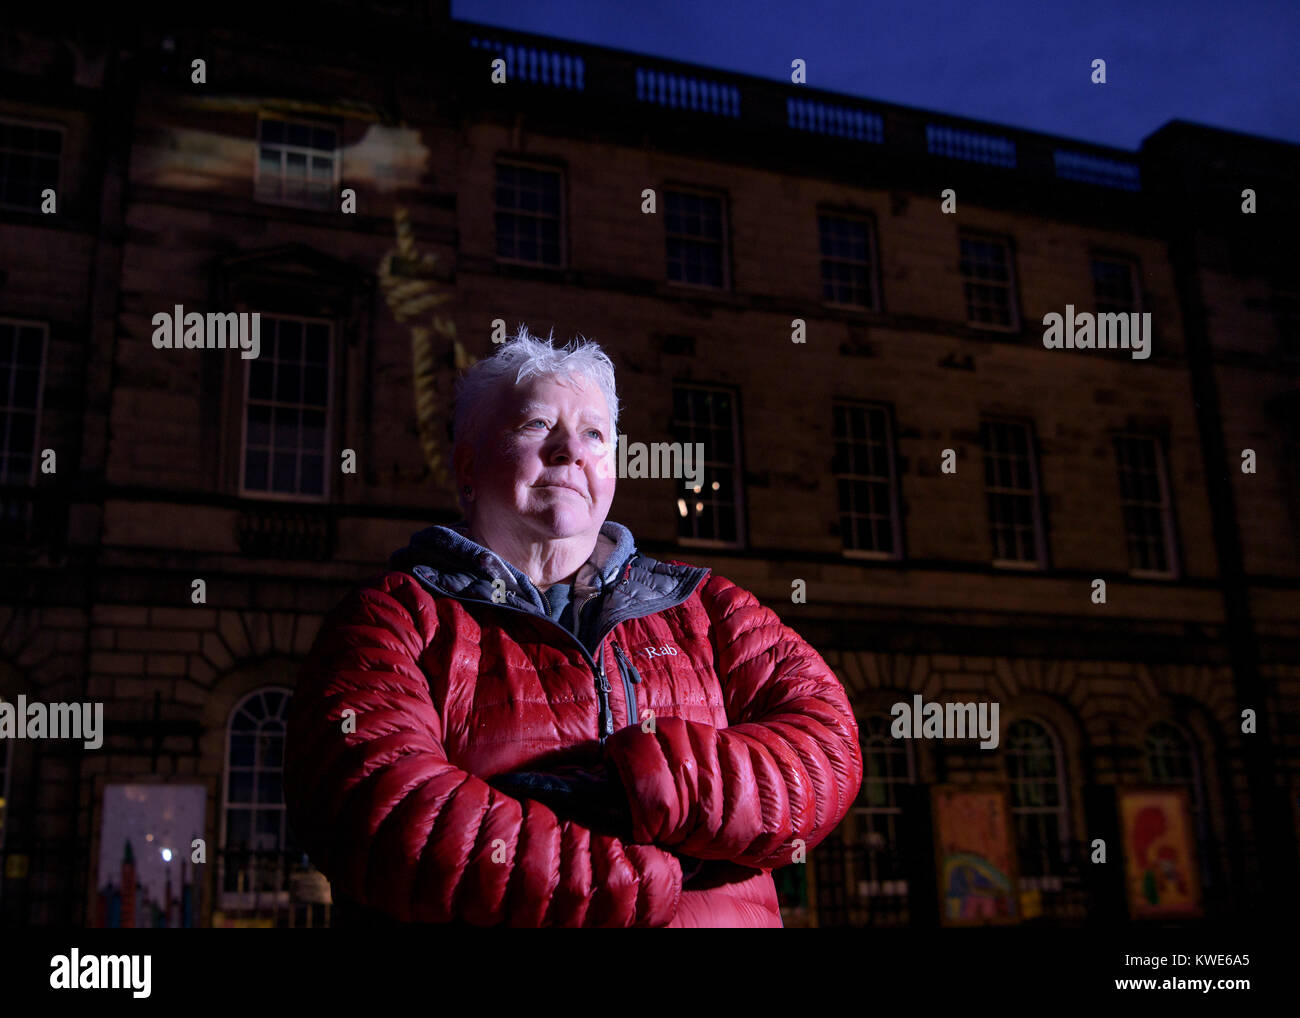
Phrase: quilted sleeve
(373,800)
(785,770)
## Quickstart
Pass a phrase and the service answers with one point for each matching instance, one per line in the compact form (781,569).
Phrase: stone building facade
(842,300)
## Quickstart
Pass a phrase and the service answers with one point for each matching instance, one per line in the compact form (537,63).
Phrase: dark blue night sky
(1023,63)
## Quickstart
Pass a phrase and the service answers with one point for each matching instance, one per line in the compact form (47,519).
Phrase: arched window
(255,840)
(1172,759)
(1036,774)
(877,867)
(6,765)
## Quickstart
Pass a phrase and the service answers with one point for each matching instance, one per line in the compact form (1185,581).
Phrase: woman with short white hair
(549,727)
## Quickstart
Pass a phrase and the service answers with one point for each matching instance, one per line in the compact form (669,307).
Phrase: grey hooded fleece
(441,549)
(615,584)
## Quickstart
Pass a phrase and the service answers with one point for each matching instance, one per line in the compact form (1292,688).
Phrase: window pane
(314,386)
(313,430)
(268,786)
(29,347)
(284,478)
(241,750)
(317,351)
(255,470)
(260,373)
(286,429)
(240,788)
(269,822)
(288,382)
(271,751)
(313,475)
(239,827)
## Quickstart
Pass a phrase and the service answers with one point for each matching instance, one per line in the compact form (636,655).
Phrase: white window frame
(737,463)
(1013,282)
(895,514)
(6,406)
(328,454)
(724,243)
(237,900)
(873,256)
(1166,511)
(1040,536)
(562,217)
(1062,812)
(1198,794)
(336,157)
(860,813)
(1135,276)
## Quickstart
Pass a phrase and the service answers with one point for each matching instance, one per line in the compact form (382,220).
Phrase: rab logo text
(667,650)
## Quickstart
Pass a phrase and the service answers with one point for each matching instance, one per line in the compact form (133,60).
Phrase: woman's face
(546,460)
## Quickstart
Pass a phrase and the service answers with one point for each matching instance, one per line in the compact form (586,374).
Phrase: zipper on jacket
(606,726)
(625,667)
(636,676)
(602,684)
(607,712)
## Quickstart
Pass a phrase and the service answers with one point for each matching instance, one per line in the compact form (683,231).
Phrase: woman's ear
(463,465)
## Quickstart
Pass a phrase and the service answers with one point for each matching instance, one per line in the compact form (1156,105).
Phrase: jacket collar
(450,558)
(447,561)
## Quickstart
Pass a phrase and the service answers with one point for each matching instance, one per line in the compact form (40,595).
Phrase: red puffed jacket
(733,738)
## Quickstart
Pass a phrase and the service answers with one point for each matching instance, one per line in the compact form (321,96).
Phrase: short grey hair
(527,356)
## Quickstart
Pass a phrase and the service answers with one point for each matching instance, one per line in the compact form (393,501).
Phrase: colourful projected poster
(145,874)
(975,854)
(1159,853)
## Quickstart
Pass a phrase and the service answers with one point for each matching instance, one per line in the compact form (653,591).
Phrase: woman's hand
(590,795)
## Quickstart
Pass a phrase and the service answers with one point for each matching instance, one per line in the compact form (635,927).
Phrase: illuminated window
(712,511)
(297,163)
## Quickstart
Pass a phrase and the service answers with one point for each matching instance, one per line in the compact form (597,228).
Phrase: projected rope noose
(411,289)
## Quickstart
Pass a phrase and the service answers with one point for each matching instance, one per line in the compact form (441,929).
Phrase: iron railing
(269,888)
